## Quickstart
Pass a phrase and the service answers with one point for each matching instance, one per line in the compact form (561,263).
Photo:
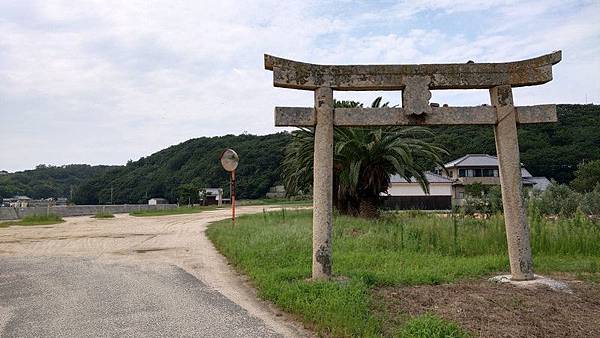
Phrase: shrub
(483,200)
(590,202)
(558,199)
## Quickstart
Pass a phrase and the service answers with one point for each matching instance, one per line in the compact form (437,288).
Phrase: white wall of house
(414,189)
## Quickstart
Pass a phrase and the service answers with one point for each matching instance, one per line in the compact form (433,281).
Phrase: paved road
(128,276)
(78,297)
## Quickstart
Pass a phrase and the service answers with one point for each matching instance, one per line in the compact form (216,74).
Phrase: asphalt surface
(82,297)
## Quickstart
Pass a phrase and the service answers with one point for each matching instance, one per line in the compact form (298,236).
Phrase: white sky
(102,82)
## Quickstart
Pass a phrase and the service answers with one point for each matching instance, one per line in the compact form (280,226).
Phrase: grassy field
(34,220)
(274,249)
(274,201)
(175,211)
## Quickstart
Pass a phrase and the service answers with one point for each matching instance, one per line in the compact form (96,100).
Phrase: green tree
(188,193)
(587,176)
(364,159)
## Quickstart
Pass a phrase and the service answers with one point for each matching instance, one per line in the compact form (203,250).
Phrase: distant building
(17,202)
(482,169)
(277,191)
(406,195)
(3,172)
(211,196)
(157,201)
(61,201)
(447,187)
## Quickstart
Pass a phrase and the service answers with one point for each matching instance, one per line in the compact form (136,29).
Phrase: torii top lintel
(307,76)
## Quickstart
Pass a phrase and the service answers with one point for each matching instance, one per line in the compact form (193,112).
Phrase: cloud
(108,81)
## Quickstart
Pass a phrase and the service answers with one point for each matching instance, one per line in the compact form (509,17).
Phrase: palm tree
(364,159)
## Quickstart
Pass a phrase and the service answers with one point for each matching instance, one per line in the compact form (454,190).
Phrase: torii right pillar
(507,149)
(416,83)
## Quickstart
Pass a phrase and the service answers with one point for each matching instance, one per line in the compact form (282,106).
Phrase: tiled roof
(539,183)
(474,160)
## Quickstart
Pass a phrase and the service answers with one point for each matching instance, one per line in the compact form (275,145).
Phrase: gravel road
(128,276)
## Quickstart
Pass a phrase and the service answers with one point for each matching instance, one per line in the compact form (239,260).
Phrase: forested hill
(48,181)
(552,150)
(179,171)
(547,149)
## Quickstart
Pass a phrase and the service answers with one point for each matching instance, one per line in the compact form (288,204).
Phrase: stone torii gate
(415,82)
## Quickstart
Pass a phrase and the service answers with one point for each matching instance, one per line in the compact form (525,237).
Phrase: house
(17,202)
(210,196)
(61,201)
(482,169)
(408,194)
(157,201)
(447,187)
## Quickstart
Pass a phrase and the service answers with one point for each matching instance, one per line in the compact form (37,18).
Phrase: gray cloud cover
(102,82)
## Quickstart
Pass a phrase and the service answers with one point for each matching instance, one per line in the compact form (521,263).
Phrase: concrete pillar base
(537,281)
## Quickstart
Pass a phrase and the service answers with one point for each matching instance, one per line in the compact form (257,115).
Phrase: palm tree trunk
(369,207)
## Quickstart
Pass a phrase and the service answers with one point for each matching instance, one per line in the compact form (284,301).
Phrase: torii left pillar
(323,185)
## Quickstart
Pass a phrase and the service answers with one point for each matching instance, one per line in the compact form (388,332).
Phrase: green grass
(431,326)
(35,220)
(103,215)
(274,249)
(174,211)
(274,201)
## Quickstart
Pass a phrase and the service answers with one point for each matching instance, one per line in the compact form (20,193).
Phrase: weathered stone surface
(534,283)
(416,95)
(507,148)
(295,117)
(323,185)
(300,75)
(416,82)
(350,117)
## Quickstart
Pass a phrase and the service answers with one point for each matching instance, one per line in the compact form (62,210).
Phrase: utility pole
(111,194)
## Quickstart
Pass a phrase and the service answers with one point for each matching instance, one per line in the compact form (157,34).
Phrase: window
(489,172)
(478,172)
(460,194)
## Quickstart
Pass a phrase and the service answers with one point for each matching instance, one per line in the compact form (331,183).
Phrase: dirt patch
(491,310)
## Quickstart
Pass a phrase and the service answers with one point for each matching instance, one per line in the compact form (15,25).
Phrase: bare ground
(146,241)
(487,309)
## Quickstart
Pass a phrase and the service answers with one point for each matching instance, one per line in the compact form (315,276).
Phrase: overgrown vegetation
(35,220)
(560,200)
(174,211)
(408,248)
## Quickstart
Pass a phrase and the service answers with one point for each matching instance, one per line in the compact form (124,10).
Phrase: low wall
(418,202)
(79,210)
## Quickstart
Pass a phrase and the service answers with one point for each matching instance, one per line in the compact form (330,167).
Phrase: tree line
(552,149)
